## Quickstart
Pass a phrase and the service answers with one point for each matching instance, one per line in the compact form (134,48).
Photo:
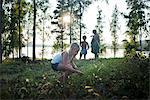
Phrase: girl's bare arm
(74,65)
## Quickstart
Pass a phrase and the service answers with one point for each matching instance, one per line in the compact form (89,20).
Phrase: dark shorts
(55,66)
(83,51)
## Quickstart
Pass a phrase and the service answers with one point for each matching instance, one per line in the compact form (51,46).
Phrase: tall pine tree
(137,23)
(114,27)
(99,28)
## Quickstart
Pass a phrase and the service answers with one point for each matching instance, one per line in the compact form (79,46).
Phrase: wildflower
(27,80)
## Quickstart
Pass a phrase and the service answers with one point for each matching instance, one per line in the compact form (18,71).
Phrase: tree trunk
(140,33)
(1,27)
(43,48)
(19,1)
(70,23)
(11,31)
(70,28)
(80,22)
(34,34)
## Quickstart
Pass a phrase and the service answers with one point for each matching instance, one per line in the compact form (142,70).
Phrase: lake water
(49,53)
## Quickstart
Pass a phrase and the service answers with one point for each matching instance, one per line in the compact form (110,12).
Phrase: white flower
(27,80)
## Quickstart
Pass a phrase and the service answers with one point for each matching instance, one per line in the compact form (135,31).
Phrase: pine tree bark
(34,31)
(1,27)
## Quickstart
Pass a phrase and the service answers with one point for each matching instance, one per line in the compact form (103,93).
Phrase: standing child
(95,44)
(65,62)
(85,46)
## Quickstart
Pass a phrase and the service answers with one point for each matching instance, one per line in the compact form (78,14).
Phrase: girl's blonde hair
(74,45)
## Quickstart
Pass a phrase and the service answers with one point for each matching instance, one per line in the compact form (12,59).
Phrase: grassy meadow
(103,79)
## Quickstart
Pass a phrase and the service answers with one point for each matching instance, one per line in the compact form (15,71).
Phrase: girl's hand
(75,67)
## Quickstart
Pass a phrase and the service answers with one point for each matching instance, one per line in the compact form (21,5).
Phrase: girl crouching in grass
(65,62)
